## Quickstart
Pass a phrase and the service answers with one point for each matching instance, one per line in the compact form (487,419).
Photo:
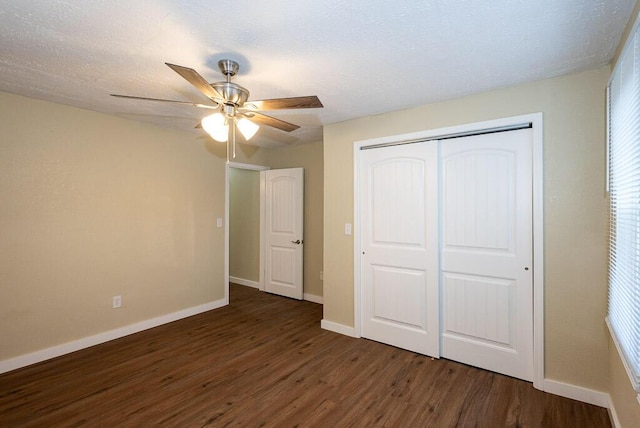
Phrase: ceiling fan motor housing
(232,93)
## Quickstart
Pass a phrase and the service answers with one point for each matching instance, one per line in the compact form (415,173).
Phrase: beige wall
(623,397)
(244,224)
(309,157)
(95,206)
(575,209)
(250,154)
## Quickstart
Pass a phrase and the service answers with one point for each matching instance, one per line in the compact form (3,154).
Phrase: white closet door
(486,282)
(400,246)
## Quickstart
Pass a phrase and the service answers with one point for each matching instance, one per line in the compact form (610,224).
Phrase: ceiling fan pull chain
(227,147)
(233,129)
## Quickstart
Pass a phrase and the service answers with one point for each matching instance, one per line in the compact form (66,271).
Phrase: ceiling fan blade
(192,76)
(263,119)
(310,101)
(166,101)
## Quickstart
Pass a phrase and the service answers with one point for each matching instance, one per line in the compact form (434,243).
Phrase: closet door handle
(297,242)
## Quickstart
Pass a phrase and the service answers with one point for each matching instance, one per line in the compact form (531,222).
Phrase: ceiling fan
(231,105)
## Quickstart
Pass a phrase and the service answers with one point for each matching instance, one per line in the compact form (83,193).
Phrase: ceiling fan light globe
(247,128)
(216,127)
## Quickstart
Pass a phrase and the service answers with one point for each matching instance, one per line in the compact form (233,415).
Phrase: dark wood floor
(264,361)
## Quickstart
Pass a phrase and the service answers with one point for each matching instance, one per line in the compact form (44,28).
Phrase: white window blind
(624,191)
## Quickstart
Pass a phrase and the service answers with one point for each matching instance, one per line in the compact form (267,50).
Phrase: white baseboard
(245,282)
(254,284)
(86,342)
(313,298)
(585,395)
(338,328)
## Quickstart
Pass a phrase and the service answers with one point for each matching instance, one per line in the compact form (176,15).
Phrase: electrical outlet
(218,222)
(347,228)
(117,301)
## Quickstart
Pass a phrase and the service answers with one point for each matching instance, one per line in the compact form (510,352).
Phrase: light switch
(347,228)
(218,222)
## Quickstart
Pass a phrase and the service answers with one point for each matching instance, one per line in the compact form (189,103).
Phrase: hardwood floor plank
(264,361)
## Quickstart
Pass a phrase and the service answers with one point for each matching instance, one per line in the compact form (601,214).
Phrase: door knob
(297,241)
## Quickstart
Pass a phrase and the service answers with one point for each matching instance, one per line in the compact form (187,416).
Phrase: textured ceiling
(361,57)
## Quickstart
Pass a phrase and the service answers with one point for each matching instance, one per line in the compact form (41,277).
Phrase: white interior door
(400,246)
(284,210)
(486,282)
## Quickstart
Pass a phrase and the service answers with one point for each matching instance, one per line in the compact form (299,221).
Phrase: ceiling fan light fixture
(247,128)
(216,126)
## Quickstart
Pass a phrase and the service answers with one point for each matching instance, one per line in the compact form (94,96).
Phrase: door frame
(247,166)
(536,121)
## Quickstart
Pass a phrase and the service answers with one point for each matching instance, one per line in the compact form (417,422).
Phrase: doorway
(446,240)
(246,192)
(244,227)
(264,233)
